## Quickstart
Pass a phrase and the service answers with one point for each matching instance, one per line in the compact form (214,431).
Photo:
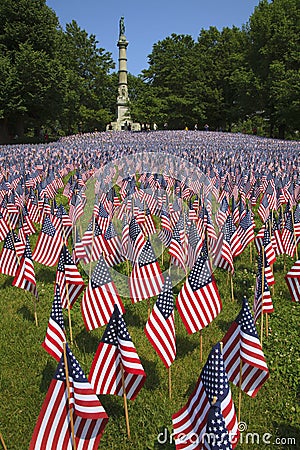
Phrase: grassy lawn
(26,369)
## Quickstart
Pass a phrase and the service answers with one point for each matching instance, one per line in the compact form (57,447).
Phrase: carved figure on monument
(122,26)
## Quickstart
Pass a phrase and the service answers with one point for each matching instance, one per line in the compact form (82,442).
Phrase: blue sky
(149,22)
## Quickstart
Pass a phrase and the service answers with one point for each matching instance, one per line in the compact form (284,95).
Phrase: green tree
(29,76)
(88,92)
(275,60)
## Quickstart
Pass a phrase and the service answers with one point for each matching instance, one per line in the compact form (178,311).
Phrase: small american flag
(53,429)
(241,344)
(25,276)
(146,279)
(292,279)
(48,245)
(116,353)
(216,435)
(100,297)
(8,255)
(198,301)
(55,334)
(190,422)
(160,327)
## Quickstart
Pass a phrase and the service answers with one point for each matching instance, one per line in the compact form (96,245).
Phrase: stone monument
(123,121)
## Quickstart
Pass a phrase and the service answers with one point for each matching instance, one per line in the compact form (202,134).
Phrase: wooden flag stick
(170,382)
(267,325)
(69,313)
(295,240)
(69,396)
(149,307)
(250,248)
(93,231)
(125,402)
(35,313)
(201,346)
(231,285)
(2,442)
(240,390)
(262,294)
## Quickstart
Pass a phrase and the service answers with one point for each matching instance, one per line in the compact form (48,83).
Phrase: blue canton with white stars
(115,329)
(101,275)
(165,300)
(214,377)
(147,255)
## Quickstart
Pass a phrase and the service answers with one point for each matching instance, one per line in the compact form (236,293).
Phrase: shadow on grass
(224,325)
(113,406)
(184,346)
(7,282)
(45,275)
(164,440)
(47,376)
(133,319)
(26,313)
(152,379)
(86,342)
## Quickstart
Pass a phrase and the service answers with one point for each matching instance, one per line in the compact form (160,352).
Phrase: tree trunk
(281,130)
(4,132)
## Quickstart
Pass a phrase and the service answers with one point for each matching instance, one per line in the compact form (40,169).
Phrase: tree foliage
(60,80)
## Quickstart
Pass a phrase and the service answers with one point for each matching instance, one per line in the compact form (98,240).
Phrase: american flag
(160,327)
(114,253)
(264,209)
(136,240)
(292,279)
(228,246)
(176,249)
(193,245)
(190,422)
(165,233)
(68,279)
(222,213)
(25,276)
(8,256)
(53,428)
(245,230)
(93,241)
(76,207)
(198,301)
(288,236)
(79,252)
(99,297)
(48,245)
(241,344)
(216,435)
(55,334)
(116,353)
(262,297)
(146,279)
(276,238)
(4,228)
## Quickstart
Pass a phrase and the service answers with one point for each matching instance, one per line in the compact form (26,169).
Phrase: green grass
(27,370)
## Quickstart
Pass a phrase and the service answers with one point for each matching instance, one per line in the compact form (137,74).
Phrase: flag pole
(170,382)
(262,294)
(231,284)
(2,442)
(240,390)
(69,313)
(125,401)
(295,240)
(201,346)
(68,297)
(250,248)
(69,396)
